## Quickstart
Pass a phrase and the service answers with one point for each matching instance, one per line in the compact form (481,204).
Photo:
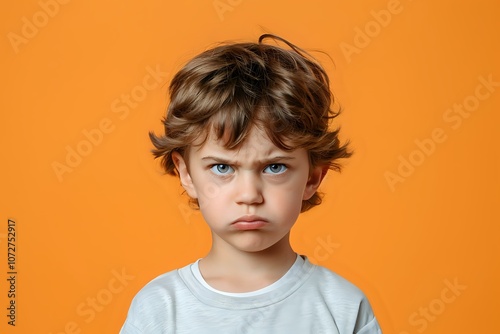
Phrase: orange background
(115,214)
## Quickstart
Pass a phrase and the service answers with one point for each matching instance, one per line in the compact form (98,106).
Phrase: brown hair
(229,88)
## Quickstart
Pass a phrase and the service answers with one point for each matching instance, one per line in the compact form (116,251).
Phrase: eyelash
(218,165)
(283,168)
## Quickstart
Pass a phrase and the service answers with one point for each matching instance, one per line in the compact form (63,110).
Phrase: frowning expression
(251,196)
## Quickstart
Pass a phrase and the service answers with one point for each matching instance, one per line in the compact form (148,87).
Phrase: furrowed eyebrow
(264,161)
(217,159)
(276,159)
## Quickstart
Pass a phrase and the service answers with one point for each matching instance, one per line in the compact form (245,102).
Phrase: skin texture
(250,198)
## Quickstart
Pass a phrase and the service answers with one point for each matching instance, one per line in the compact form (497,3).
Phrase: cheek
(287,202)
(213,200)
(209,192)
(206,189)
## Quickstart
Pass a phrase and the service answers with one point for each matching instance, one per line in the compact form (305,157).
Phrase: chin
(252,248)
(256,245)
(248,245)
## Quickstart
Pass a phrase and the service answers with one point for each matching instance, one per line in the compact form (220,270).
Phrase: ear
(317,175)
(185,177)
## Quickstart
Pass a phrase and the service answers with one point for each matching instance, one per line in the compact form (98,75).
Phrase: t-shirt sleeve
(366,323)
(150,312)
(129,328)
(371,327)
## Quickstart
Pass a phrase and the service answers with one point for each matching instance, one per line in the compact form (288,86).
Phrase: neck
(264,267)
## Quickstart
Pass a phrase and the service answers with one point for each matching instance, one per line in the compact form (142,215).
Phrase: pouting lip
(249,218)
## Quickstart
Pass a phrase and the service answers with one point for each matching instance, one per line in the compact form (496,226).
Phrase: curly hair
(226,90)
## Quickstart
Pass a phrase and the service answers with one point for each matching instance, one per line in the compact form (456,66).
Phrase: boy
(247,132)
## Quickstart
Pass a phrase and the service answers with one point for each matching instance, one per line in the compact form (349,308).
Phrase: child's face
(252,196)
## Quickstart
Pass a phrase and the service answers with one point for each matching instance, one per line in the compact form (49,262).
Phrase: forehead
(256,145)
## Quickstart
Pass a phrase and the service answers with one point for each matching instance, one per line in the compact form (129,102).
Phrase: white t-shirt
(307,299)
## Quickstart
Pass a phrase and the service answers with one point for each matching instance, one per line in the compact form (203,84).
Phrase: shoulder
(152,307)
(332,283)
(162,288)
(345,300)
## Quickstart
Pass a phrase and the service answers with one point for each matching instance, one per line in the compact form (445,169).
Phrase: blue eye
(221,169)
(275,169)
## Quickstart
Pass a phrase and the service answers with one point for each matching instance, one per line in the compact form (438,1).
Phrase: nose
(248,189)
